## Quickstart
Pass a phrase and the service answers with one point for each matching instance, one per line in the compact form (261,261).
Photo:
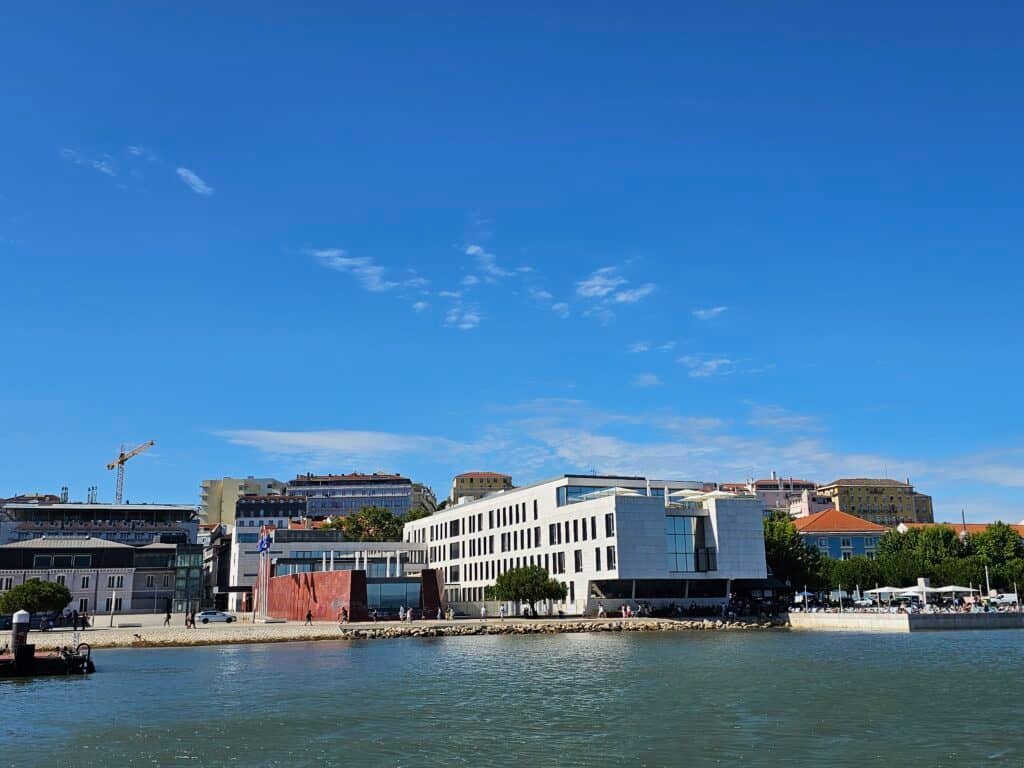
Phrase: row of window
(500,517)
(567,532)
(553,563)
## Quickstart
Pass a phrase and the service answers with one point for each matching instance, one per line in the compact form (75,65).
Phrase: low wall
(903,622)
(851,622)
(929,621)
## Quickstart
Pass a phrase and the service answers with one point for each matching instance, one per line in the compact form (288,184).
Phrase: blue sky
(702,242)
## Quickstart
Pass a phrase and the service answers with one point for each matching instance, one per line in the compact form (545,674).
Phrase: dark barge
(25,663)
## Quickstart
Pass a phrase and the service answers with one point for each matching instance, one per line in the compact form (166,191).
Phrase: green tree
(997,544)
(789,558)
(528,584)
(35,596)
(418,513)
(849,574)
(369,524)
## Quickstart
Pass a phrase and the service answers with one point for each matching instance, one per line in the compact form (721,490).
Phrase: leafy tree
(789,557)
(418,513)
(850,573)
(528,584)
(962,571)
(370,524)
(997,544)
(35,596)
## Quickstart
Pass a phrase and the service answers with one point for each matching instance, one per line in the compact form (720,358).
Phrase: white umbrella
(883,591)
(953,589)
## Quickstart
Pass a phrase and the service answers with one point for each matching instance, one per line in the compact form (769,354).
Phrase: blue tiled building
(839,535)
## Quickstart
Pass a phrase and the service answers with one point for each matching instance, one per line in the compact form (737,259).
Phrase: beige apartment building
(476,485)
(218,497)
(886,502)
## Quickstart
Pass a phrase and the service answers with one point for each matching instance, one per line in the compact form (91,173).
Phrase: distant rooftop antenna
(64,494)
(91,494)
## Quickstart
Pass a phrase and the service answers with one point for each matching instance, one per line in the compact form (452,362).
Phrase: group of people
(73,618)
(190,620)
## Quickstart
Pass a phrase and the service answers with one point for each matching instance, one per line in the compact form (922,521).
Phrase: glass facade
(570,494)
(684,545)
(389,596)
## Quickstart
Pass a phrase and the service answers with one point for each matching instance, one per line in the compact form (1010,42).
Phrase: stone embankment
(228,634)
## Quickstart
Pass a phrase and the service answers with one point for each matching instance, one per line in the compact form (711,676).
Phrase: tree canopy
(375,524)
(788,556)
(35,596)
(528,584)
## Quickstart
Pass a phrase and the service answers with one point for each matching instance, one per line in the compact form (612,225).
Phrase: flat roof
(68,542)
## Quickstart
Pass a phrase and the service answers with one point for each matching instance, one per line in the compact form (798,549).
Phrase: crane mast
(120,461)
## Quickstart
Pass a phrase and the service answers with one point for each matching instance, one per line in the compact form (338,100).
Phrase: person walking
(439,613)
(483,613)
(309,619)
(501,613)
(167,619)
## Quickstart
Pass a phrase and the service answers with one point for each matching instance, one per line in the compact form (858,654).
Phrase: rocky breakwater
(535,627)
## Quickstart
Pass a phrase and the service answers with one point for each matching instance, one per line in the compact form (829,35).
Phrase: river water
(688,699)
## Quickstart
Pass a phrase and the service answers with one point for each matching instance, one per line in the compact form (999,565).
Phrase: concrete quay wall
(903,622)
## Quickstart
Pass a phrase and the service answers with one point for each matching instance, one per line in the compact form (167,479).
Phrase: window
(167,579)
(61,578)
(559,562)
(593,527)
(150,581)
(5,583)
(609,525)
(83,604)
(577,557)
(117,604)
(536,536)
(846,542)
(611,557)
(535,513)
(115,582)
(847,555)
(680,543)
(597,558)
(822,542)
(85,582)
(575,530)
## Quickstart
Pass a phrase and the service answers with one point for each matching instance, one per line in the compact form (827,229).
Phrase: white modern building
(608,539)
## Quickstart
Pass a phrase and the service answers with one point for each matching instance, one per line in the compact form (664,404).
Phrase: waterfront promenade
(154,634)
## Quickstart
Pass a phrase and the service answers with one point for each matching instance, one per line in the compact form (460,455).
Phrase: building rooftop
(868,481)
(68,542)
(354,477)
(834,521)
(485,475)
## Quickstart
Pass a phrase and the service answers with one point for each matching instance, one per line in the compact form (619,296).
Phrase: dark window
(609,526)
(536,536)
(534,509)
(593,527)
(597,558)
(611,558)
(575,530)
(577,557)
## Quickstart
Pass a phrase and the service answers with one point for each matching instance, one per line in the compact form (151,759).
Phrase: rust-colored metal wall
(322,593)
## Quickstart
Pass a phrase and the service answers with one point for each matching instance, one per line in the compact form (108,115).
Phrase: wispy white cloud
(194,182)
(470,280)
(450,294)
(708,313)
(668,346)
(540,294)
(633,295)
(420,306)
(104,163)
(136,151)
(779,418)
(645,380)
(639,347)
(462,318)
(600,283)
(369,273)
(340,445)
(561,309)
(702,366)
(487,264)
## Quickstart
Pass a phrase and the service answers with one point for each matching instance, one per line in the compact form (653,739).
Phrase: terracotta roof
(834,521)
(970,528)
(497,475)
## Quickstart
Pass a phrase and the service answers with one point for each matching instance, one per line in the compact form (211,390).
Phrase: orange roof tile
(834,521)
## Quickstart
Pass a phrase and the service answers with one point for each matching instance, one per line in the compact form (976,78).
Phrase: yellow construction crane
(119,463)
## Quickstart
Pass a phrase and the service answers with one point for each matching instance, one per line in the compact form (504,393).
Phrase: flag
(263,543)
